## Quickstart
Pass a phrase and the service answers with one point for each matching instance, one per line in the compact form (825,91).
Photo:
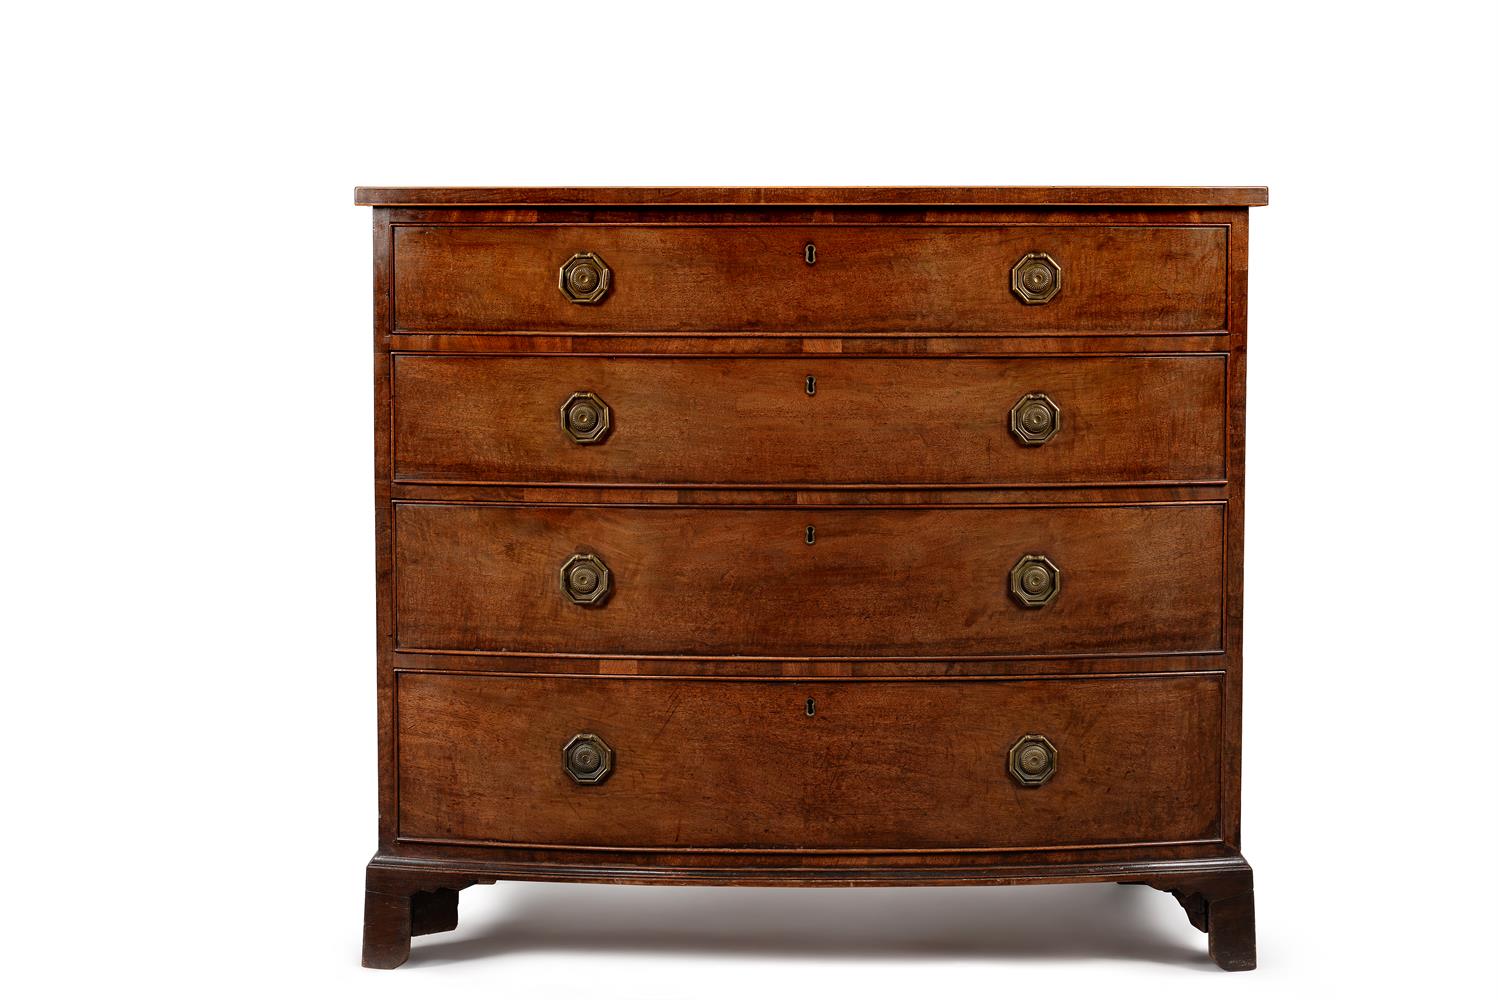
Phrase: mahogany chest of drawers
(814,537)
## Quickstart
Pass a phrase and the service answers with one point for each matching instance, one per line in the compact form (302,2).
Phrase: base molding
(407,897)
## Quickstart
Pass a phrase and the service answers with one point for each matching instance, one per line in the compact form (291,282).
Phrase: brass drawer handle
(1034,581)
(1035,419)
(1036,278)
(1032,761)
(585,418)
(585,279)
(586,580)
(587,759)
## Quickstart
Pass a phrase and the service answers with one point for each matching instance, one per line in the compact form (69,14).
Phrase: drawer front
(809,581)
(865,278)
(877,765)
(747,421)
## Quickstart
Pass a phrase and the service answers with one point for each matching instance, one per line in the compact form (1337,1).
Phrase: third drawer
(976,582)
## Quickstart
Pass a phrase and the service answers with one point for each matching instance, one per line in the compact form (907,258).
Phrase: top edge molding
(1043,197)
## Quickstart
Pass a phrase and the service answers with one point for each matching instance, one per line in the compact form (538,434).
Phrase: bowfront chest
(814,537)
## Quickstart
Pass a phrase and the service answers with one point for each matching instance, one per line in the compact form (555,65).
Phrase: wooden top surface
(1139,197)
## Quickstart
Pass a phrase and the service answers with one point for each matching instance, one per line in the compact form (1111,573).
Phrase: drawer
(937,583)
(832,421)
(877,279)
(875,766)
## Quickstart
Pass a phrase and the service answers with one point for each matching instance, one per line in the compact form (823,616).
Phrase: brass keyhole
(811,534)
(811,385)
(811,706)
(811,253)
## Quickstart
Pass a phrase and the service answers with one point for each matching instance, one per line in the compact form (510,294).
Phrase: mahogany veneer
(889,582)
(885,763)
(796,536)
(872,277)
(1154,419)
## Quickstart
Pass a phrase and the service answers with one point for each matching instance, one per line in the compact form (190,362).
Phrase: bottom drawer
(808,764)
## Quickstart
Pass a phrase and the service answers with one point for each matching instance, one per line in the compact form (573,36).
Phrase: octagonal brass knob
(585,279)
(1035,419)
(587,759)
(1034,581)
(586,418)
(586,580)
(1036,278)
(1032,761)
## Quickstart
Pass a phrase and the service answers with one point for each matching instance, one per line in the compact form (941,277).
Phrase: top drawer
(864,278)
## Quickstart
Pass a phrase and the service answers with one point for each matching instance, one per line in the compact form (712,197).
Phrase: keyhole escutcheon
(811,253)
(811,385)
(811,706)
(811,534)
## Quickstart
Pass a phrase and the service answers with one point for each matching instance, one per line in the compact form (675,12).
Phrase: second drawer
(817,420)
(810,581)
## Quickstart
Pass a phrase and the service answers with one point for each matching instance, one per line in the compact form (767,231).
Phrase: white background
(188,702)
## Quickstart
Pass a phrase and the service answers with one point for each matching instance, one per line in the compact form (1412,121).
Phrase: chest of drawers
(813,537)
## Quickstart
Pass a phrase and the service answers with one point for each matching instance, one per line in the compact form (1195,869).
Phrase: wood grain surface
(741,765)
(737,421)
(876,582)
(755,278)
